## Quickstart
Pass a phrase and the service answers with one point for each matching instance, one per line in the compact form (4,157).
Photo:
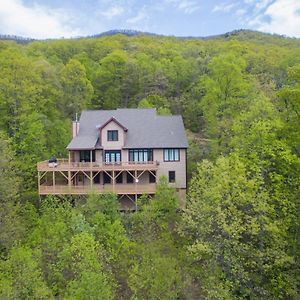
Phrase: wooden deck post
(91,158)
(39,182)
(69,171)
(53,179)
(135,182)
(113,180)
(91,172)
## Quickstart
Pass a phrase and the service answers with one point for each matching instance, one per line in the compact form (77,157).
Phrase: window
(171,176)
(85,155)
(113,156)
(112,135)
(129,177)
(140,155)
(152,178)
(171,155)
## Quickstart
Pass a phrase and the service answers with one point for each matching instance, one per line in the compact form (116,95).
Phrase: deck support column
(69,172)
(53,179)
(135,183)
(39,182)
(113,180)
(91,177)
(91,165)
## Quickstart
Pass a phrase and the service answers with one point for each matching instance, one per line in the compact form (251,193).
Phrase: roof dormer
(112,134)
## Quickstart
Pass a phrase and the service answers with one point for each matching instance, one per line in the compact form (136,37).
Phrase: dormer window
(112,135)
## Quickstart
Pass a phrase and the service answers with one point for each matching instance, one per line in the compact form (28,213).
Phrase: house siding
(163,169)
(178,166)
(112,145)
(99,156)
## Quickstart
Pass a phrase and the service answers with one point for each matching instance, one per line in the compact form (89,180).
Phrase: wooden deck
(128,189)
(50,177)
(65,165)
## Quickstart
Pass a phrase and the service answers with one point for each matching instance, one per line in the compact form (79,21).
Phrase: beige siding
(76,155)
(163,167)
(178,166)
(124,155)
(98,156)
(112,145)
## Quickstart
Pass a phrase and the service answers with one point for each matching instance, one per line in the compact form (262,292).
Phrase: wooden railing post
(136,182)
(91,171)
(53,179)
(39,182)
(69,172)
(113,179)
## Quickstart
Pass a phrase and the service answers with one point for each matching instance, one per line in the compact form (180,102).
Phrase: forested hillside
(237,238)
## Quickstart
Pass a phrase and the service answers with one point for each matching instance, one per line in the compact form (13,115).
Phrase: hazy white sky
(67,18)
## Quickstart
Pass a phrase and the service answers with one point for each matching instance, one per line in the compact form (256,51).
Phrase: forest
(238,236)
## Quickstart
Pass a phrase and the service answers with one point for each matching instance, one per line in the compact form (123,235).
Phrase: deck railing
(98,188)
(64,165)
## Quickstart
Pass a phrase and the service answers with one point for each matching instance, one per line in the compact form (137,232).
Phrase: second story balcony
(67,165)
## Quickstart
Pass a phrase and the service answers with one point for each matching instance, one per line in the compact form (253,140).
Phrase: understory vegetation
(237,237)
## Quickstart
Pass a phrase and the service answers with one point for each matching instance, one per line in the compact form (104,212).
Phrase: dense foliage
(237,237)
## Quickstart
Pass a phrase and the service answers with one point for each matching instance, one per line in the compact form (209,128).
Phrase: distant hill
(240,34)
(253,35)
(127,32)
(16,38)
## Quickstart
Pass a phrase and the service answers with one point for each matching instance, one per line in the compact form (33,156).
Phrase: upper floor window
(112,135)
(171,155)
(137,155)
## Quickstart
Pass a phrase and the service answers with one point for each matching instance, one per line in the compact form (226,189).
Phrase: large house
(124,151)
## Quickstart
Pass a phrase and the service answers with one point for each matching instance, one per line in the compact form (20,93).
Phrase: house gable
(112,134)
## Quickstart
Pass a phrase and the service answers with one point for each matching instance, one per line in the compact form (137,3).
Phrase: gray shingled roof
(146,129)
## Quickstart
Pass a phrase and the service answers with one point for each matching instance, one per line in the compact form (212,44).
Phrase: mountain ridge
(242,34)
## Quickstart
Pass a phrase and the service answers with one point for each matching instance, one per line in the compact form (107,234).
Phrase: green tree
(108,80)
(20,91)
(290,96)
(30,145)
(144,103)
(227,92)
(77,89)
(232,222)
(81,264)
(154,276)
(21,276)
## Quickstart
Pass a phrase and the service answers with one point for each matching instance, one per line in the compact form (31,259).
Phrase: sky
(72,18)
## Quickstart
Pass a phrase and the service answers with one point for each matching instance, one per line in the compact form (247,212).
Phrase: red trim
(112,119)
